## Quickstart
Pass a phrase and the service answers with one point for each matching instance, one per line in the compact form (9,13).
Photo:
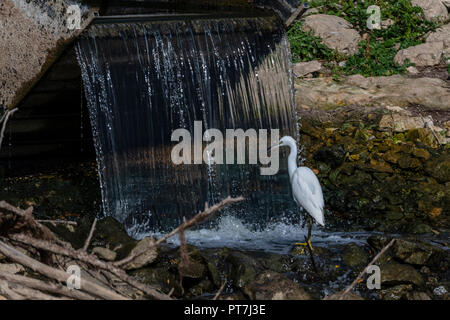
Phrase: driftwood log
(27,242)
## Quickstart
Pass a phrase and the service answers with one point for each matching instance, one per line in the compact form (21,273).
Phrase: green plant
(376,53)
(307,47)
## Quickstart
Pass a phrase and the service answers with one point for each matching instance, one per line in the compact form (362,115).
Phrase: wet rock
(348,296)
(421,153)
(422,55)
(416,253)
(353,255)
(395,273)
(419,228)
(303,68)
(273,286)
(334,31)
(440,291)
(205,286)
(439,169)
(110,233)
(407,162)
(423,135)
(144,252)
(397,292)
(333,156)
(244,268)
(194,267)
(104,253)
(417,295)
(11,268)
(434,10)
(159,277)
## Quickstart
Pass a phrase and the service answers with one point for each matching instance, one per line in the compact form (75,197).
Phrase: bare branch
(91,233)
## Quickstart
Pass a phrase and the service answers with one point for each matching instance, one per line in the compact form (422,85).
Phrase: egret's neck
(292,160)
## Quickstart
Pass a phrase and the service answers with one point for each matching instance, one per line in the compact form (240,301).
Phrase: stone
(387,23)
(400,122)
(395,273)
(325,93)
(397,292)
(421,153)
(417,295)
(145,255)
(105,253)
(439,168)
(273,286)
(303,68)
(412,70)
(415,253)
(353,255)
(348,296)
(441,34)
(423,135)
(422,55)
(35,32)
(11,268)
(334,31)
(407,162)
(446,3)
(333,156)
(244,268)
(434,10)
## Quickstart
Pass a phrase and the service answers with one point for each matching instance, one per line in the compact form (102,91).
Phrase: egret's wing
(307,192)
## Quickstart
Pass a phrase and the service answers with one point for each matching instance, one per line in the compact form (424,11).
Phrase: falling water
(143,80)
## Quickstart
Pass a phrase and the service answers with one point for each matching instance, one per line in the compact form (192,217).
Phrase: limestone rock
(105,253)
(273,286)
(434,10)
(145,255)
(397,292)
(422,55)
(34,33)
(303,68)
(441,34)
(396,273)
(416,253)
(396,90)
(446,3)
(400,122)
(334,31)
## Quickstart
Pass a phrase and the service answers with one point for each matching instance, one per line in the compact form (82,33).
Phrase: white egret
(306,189)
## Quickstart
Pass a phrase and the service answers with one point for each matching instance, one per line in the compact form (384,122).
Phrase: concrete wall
(32,36)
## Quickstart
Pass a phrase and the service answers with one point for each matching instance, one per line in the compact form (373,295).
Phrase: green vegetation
(307,47)
(376,53)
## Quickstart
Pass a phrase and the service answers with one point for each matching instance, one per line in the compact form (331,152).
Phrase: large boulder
(442,34)
(422,55)
(34,33)
(434,10)
(335,32)
(273,286)
(325,93)
(395,273)
(303,68)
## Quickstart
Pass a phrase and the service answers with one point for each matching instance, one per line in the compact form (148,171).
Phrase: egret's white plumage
(306,188)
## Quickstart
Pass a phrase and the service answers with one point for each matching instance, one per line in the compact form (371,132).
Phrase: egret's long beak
(273,147)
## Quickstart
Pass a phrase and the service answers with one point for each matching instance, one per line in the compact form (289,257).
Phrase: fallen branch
(92,260)
(199,218)
(43,286)
(220,291)
(361,275)
(56,274)
(72,223)
(295,15)
(91,233)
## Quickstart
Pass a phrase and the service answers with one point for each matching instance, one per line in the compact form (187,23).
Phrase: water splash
(144,80)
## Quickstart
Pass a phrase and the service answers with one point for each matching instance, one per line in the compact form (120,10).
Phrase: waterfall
(145,79)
